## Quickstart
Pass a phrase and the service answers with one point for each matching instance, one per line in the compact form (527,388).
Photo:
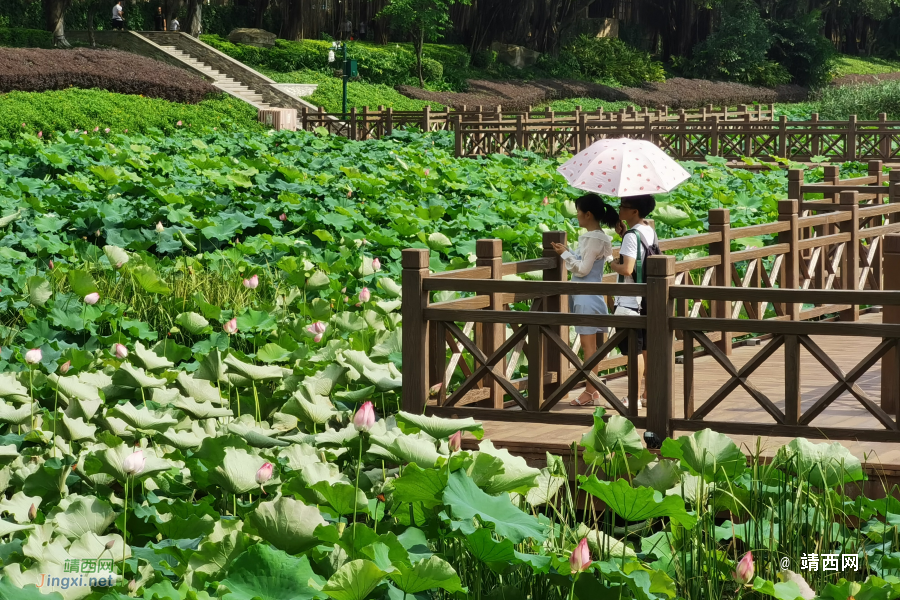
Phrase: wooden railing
(373,124)
(832,261)
(686,140)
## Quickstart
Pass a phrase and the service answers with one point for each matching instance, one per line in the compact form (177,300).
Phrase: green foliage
(864,101)
(800,47)
(846,64)
(607,60)
(65,110)
(432,70)
(586,104)
(737,49)
(483,59)
(26,38)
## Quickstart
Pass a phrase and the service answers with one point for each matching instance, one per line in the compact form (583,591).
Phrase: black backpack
(644,252)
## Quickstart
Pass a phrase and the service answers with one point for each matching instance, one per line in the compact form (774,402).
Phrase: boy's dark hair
(644,204)
(603,212)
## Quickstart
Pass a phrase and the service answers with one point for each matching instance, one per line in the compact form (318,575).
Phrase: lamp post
(348,68)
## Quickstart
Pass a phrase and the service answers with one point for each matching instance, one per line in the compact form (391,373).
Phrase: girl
(594,251)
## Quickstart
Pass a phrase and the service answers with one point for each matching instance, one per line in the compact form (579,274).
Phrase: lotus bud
(376,264)
(92,298)
(580,560)
(64,368)
(264,474)
(252,283)
(546,200)
(282,217)
(159,227)
(178,123)
(230,327)
(51,264)
(456,441)
(365,416)
(349,193)
(34,356)
(96,129)
(318,338)
(427,172)
(134,463)
(40,134)
(365,295)
(743,574)
(23,124)
(319,327)
(106,130)
(120,351)
(132,586)
(110,544)
(32,513)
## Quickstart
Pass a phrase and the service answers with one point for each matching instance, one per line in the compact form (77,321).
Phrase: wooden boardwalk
(533,440)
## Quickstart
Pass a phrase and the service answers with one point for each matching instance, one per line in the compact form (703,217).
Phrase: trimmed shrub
(607,60)
(25,38)
(28,70)
(801,49)
(70,109)
(432,70)
(483,59)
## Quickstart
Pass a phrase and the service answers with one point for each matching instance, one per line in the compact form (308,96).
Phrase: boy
(118,20)
(632,213)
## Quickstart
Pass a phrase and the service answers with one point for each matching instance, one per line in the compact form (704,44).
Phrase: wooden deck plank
(739,406)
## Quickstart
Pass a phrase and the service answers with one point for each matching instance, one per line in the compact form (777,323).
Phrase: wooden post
(489,253)
(884,141)
(458,142)
(352,135)
(894,192)
(874,169)
(816,142)
(389,126)
(795,184)
(714,136)
(790,266)
(536,368)
(365,122)
(582,141)
(303,118)
(850,259)
(660,367)
(520,133)
(792,391)
(414,394)
(890,363)
(783,150)
(554,359)
(720,220)
(426,118)
(850,152)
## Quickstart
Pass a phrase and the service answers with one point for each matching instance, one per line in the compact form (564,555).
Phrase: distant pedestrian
(118,21)
(348,29)
(362,29)
(174,25)
(160,20)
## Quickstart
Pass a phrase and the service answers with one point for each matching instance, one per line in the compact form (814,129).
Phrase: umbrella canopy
(623,167)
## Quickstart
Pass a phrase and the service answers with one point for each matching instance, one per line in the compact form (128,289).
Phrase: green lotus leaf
(76,429)
(437,427)
(179,519)
(236,473)
(708,453)
(116,256)
(617,435)
(298,454)
(496,554)
(13,587)
(661,476)
(318,281)
(419,449)
(150,360)
(193,322)
(349,322)
(287,524)
(354,581)
(218,552)
(142,418)
(39,290)
(197,388)
(425,575)
(110,461)
(323,382)
(825,465)
(12,390)
(72,387)
(602,544)
(7,528)
(148,279)
(18,506)
(212,368)
(201,410)
(420,485)
(264,573)
(547,485)
(90,546)
(390,288)
(383,377)
(184,439)
(467,501)
(438,242)
(366,267)
(317,411)
(514,475)
(82,283)
(135,377)
(16,416)
(388,343)
(255,372)
(76,515)
(637,504)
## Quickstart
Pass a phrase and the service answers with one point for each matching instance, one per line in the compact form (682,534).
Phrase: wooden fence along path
(462,357)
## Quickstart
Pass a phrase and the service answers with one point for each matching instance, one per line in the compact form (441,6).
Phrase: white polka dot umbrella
(623,167)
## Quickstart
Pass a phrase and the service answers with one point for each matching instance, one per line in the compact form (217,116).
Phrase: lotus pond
(228,301)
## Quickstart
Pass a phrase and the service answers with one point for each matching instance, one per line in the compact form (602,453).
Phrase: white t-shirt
(117,13)
(175,24)
(630,248)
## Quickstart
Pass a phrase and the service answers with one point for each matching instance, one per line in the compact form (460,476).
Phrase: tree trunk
(92,10)
(195,8)
(55,15)
(419,43)
(260,12)
(292,20)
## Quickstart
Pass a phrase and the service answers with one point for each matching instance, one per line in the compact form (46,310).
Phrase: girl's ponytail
(603,212)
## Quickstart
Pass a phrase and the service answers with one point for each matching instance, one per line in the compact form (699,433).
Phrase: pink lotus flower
(580,560)
(178,123)
(343,290)
(51,264)
(282,217)
(23,124)
(349,193)
(96,129)
(126,131)
(134,463)
(34,356)
(106,130)
(365,416)
(230,327)
(456,441)
(546,200)
(318,327)
(92,298)
(744,572)
(365,295)
(40,134)
(120,351)
(376,264)
(427,171)
(64,368)
(159,227)
(264,474)
(252,283)
(318,338)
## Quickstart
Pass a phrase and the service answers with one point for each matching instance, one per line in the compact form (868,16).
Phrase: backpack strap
(638,263)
